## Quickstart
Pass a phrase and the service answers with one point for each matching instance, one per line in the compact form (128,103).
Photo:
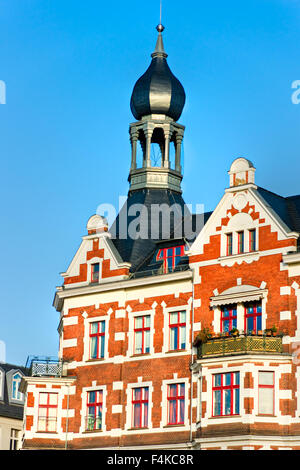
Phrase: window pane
(147,341)
(173,318)
(147,321)
(182,317)
(43,398)
(227,399)
(266,378)
(217,402)
(52,398)
(181,411)
(173,390)
(250,324)
(92,397)
(94,327)
(139,322)
(174,338)
(138,342)
(227,379)
(182,337)
(217,380)
(94,347)
(172,411)
(237,401)
(266,403)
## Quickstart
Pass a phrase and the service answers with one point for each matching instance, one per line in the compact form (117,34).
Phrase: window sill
(138,429)
(172,351)
(98,359)
(47,432)
(225,416)
(181,425)
(92,431)
(141,355)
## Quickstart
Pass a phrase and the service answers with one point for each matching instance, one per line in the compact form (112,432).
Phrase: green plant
(203,335)
(274,329)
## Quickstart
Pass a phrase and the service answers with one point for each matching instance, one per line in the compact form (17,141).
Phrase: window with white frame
(97,340)
(266,393)
(176,404)
(253,316)
(14,439)
(140,407)
(47,412)
(16,394)
(177,330)
(226,394)
(142,334)
(94,413)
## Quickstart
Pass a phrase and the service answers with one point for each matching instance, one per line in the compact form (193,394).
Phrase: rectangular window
(95,272)
(228,318)
(229,244)
(142,334)
(252,240)
(140,398)
(253,317)
(177,327)
(226,394)
(176,403)
(47,413)
(97,340)
(14,439)
(266,393)
(94,410)
(240,242)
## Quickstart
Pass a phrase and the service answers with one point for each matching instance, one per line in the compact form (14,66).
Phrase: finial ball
(160,28)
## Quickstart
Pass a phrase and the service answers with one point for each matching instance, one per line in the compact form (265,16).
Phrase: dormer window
(171,257)
(16,395)
(95,272)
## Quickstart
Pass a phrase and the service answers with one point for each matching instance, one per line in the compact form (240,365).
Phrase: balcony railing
(227,346)
(45,367)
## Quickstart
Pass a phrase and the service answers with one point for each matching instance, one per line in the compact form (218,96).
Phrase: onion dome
(158,91)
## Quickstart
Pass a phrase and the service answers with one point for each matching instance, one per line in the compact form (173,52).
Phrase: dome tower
(157,102)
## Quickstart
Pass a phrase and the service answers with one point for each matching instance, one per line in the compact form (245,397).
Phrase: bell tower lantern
(157,102)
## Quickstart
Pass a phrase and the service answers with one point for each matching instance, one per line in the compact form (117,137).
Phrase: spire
(159,48)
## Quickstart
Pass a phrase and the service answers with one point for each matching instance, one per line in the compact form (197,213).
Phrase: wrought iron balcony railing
(45,367)
(245,344)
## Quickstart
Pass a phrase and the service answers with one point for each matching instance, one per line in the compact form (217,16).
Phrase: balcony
(244,344)
(43,366)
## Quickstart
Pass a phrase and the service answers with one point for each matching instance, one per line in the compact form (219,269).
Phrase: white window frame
(86,339)
(129,406)
(131,339)
(84,396)
(164,403)
(166,329)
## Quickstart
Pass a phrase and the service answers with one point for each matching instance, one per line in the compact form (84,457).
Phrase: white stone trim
(69,343)
(286,315)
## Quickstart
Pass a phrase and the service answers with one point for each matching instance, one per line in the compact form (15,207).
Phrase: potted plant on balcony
(234,332)
(268,332)
(274,330)
(202,336)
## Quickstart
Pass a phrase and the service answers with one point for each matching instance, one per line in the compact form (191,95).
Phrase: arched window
(16,395)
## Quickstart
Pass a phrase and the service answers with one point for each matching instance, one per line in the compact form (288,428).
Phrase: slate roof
(141,252)
(7,409)
(287,208)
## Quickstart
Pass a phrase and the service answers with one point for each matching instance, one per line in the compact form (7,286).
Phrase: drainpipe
(67,418)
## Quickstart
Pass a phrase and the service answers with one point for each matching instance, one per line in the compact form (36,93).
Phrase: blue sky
(69,68)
